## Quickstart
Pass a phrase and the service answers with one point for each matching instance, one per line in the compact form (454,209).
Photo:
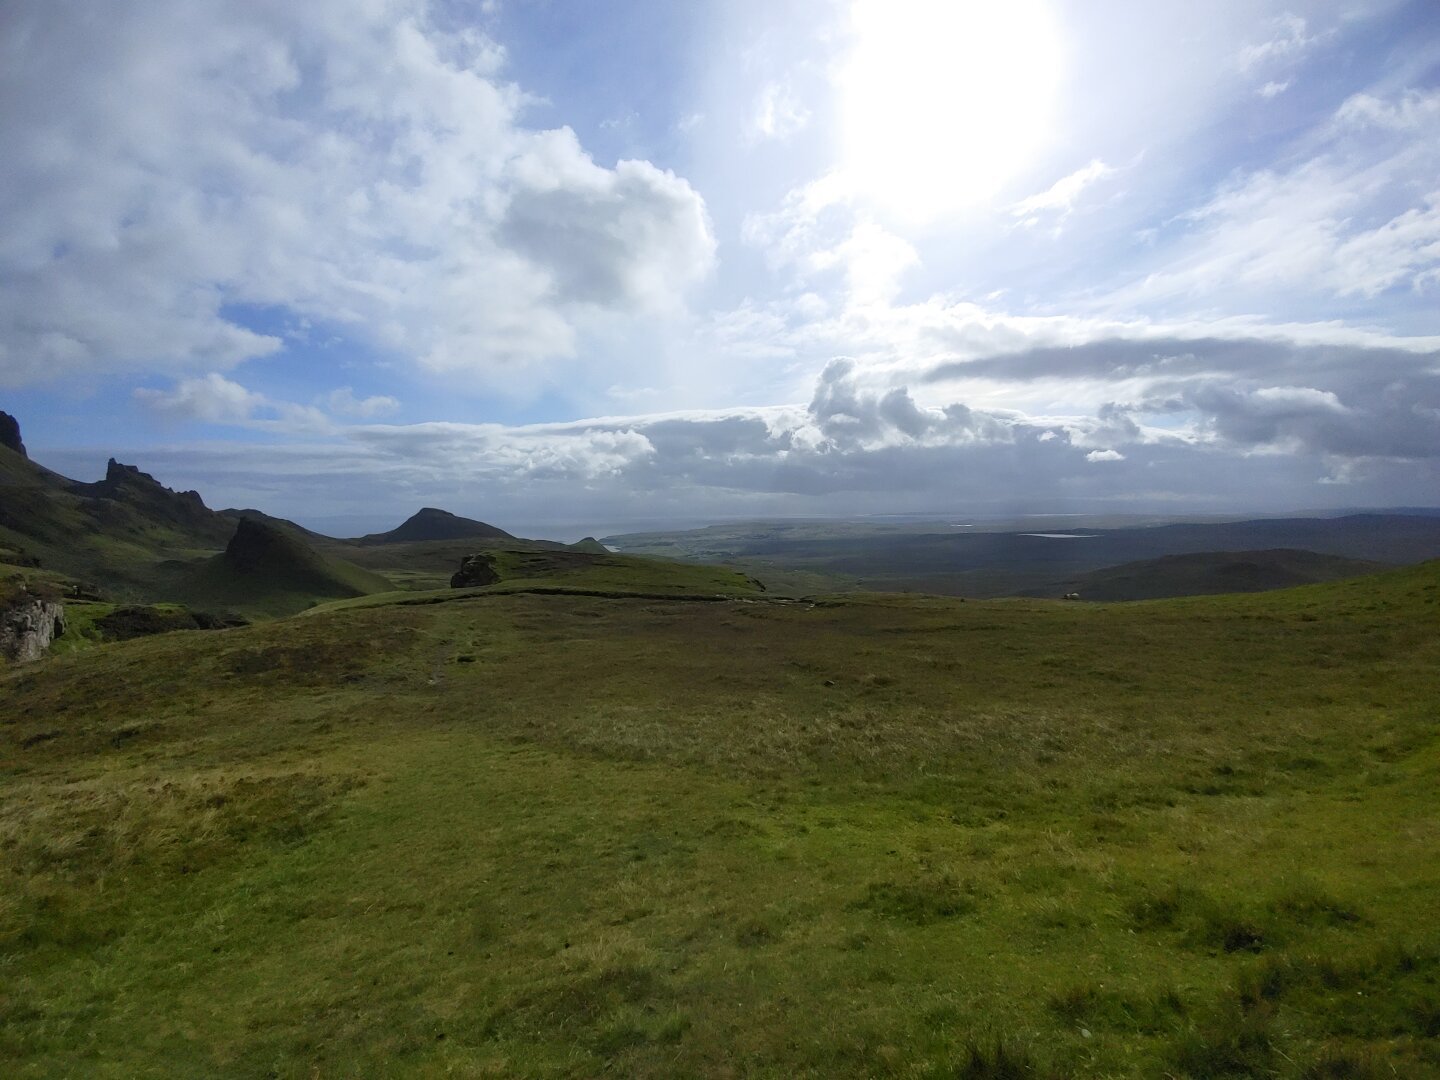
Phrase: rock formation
(10,434)
(477,569)
(27,629)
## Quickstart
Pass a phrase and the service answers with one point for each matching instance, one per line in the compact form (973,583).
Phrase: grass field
(565,835)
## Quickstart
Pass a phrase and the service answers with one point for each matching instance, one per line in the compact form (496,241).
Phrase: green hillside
(429,565)
(528,834)
(268,570)
(555,568)
(120,530)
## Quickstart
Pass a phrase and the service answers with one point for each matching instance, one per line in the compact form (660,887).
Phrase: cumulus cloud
(1332,401)
(216,399)
(1104,455)
(210,397)
(356,164)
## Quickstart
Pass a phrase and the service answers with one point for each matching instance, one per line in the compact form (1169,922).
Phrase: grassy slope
(287,577)
(531,569)
(551,835)
(109,540)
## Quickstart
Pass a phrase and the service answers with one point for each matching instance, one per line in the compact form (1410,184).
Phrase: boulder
(27,629)
(477,569)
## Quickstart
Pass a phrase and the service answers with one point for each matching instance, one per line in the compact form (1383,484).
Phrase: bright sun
(942,102)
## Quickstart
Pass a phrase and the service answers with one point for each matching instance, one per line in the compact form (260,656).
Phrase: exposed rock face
(116,473)
(478,569)
(119,476)
(27,630)
(10,434)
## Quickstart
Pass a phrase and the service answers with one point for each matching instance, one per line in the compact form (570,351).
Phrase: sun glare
(943,102)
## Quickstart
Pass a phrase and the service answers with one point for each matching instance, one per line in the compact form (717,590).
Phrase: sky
(572,267)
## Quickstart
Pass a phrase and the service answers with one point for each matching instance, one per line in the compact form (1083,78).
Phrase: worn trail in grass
(545,835)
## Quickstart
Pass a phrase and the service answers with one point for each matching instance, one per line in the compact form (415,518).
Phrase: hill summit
(431,523)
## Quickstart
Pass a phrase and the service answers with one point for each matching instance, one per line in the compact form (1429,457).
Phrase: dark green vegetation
(128,538)
(987,560)
(268,569)
(558,570)
(1211,572)
(566,835)
(126,530)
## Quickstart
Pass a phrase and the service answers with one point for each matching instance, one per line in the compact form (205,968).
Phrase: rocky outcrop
(120,477)
(10,434)
(27,629)
(478,569)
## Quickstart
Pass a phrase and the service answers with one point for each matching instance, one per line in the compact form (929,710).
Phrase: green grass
(577,573)
(562,835)
(270,570)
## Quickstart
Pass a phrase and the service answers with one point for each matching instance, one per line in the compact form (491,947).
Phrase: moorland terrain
(614,814)
(1053,556)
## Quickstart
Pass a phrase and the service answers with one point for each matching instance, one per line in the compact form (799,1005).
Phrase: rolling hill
(944,558)
(1209,573)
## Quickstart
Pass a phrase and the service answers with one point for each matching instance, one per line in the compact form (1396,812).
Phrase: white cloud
(1104,455)
(779,114)
(217,400)
(353,163)
(1273,89)
(1062,195)
(212,397)
(1356,217)
(818,229)
(1290,41)
(343,402)
(1411,110)
(1405,248)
